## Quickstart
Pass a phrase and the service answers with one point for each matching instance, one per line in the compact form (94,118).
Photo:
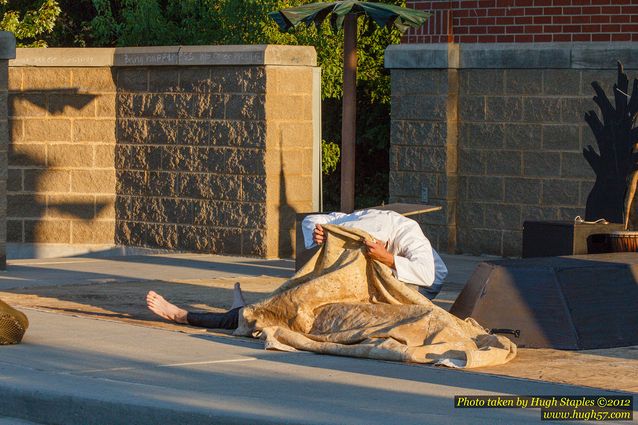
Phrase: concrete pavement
(77,370)
(81,371)
(57,271)
(15,421)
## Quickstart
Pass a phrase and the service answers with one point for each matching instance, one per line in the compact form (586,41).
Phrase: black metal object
(615,162)
(576,303)
(552,238)
(516,333)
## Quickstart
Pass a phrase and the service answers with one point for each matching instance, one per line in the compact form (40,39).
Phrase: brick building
(488,102)
(526,21)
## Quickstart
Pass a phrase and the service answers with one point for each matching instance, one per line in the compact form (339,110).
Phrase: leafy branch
(32,24)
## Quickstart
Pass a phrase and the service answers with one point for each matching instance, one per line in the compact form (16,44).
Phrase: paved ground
(79,370)
(55,271)
(15,421)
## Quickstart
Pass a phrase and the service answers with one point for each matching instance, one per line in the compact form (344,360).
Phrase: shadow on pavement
(285,387)
(24,273)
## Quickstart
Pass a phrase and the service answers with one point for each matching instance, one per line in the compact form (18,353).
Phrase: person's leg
(158,305)
(228,320)
(238,297)
(430,292)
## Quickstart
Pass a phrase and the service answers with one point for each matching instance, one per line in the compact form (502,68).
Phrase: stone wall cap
(167,56)
(59,56)
(417,56)
(604,55)
(146,56)
(514,55)
(258,54)
(7,45)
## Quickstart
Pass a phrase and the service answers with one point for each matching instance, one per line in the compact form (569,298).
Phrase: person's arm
(377,250)
(310,222)
(415,261)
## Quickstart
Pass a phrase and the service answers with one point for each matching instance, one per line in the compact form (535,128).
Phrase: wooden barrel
(623,241)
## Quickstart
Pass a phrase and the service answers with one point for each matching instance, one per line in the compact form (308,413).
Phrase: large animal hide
(343,303)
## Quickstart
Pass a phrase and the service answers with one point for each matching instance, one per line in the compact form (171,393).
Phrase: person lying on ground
(398,242)
(406,251)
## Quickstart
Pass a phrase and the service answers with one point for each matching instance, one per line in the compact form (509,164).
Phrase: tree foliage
(29,20)
(330,154)
(193,22)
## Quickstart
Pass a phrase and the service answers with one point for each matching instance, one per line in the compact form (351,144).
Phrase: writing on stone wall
(58,60)
(150,59)
(225,58)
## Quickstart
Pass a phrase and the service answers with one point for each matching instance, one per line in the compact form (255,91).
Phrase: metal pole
(349,112)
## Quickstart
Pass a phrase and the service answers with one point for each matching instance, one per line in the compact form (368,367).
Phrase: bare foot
(238,297)
(158,305)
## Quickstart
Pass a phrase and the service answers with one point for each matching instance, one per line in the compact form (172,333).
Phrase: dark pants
(226,320)
(430,292)
(229,320)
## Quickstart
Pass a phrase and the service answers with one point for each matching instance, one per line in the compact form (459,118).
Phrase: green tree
(330,153)
(29,24)
(192,22)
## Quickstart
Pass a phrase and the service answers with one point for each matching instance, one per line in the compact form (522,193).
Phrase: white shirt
(415,260)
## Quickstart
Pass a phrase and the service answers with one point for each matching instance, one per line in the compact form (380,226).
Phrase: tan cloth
(344,304)
(13,324)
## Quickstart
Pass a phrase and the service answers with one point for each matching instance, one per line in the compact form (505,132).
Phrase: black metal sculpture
(616,164)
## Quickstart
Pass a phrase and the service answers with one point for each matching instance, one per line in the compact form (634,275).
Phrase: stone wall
(507,145)
(423,148)
(7,51)
(61,173)
(205,149)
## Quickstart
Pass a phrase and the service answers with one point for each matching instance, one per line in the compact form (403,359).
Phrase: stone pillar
(507,144)
(61,162)
(7,51)
(424,133)
(205,149)
(291,185)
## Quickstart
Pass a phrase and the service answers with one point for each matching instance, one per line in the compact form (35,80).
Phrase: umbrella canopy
(382,14)
(345,14)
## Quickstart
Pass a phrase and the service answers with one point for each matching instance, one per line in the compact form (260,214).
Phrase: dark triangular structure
(575,302)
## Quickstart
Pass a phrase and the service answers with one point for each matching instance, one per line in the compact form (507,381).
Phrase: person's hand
(377,250)
(318,236)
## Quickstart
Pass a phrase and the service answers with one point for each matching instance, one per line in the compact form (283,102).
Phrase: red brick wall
(526,21)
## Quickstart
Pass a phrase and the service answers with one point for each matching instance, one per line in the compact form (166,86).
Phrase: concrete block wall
(7,51)
(61,173)
(513,143)
(205,149)
(292,187)
(423,149)
(190,158)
